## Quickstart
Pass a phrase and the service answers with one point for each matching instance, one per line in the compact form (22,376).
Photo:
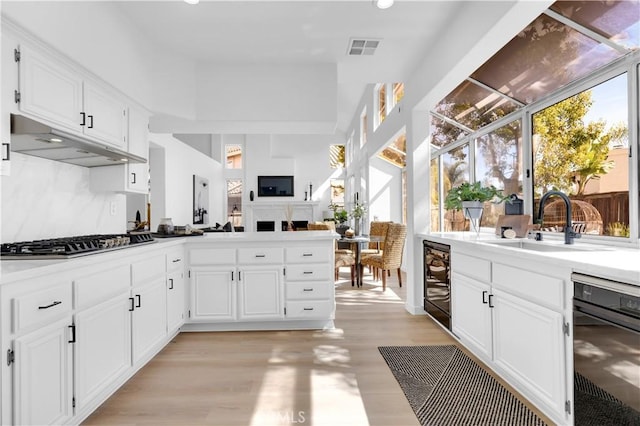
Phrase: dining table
(357,242)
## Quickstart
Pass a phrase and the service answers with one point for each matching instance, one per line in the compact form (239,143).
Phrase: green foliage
(472,192)
(567,152)
(358,210)
(340,216)
(618,229)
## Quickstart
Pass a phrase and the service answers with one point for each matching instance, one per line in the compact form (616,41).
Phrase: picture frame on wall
(200,200)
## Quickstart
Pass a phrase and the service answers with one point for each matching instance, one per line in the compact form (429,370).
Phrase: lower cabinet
(175,300)
(43,377)
(213,295)
(102,348)
(149,317)
(522,340)
(260,293)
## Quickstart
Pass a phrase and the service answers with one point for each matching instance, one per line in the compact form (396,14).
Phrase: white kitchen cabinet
(175,290)
(213,294)
(471,316)
(51,90)
(528,343)
(260,292)
(309,285)
(138,132)
(511,317)
(8,83)
(43,375)
(103,347)
(149,318)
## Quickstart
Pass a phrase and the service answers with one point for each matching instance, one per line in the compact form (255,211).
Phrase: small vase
(473,211)
(356,226)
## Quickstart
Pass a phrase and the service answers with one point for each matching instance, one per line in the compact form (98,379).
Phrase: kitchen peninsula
(93,321)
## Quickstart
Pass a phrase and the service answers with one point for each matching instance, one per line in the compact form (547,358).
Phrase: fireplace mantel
(277,212)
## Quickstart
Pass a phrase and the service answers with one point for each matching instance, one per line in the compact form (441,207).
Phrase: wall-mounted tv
(275,186)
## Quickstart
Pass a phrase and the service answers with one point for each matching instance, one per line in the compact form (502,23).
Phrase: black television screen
(275,186)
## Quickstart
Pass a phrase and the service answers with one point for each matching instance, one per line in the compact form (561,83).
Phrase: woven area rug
(596,407)
(446,387)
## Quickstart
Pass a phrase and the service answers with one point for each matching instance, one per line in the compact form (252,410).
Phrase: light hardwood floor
(332,377)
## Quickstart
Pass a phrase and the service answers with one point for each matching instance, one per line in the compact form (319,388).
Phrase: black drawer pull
(170,283)
(308,309)
(307,254)
(484,297)
(84,118)
(139,302)
(307,289)
(490,300)
(134,178)
(132,306)
(177,260)
(261,255)
(73,333)
(308,272)
(6,155)
(57,302)
(90,122)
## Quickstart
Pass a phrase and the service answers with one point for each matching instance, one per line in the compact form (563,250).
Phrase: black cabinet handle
(239,275)
(307,254)
(170,283)
(134,177)
(6,155)
(484,297)
(176,260)
(90,122)
(307,289)
(260,255)
(231,275)
(73,333)
(308,272)
(51,305)
(139,302)
(84,119)
(307,309)
(132,305)
(490,300)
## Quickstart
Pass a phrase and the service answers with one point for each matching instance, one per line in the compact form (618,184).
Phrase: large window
(581,148)
(233,156)
(234,202)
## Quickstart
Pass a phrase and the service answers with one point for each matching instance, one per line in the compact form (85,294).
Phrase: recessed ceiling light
(192,1)
(382,4)
(55,140)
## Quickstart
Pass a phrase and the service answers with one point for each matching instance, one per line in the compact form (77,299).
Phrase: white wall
(47,199)
(385,194)
(175,181)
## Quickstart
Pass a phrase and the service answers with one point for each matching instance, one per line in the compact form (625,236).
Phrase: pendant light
(192,1)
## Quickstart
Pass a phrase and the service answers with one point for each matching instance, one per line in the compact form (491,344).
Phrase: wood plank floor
(333,377)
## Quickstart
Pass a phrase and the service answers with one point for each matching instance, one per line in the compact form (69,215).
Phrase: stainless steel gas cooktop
(70,247)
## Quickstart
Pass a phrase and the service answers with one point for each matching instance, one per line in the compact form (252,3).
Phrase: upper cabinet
(52,91)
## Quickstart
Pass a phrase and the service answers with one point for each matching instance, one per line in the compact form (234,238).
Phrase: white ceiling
(299,31)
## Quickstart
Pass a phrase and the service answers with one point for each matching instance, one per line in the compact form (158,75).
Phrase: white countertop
(607,261)
(14,270)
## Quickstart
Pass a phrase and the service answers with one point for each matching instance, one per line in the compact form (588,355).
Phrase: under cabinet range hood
(31,137)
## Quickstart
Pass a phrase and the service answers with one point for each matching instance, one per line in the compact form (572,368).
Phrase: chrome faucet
(569,233)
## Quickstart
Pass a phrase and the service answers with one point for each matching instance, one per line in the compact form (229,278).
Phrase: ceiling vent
(361,46)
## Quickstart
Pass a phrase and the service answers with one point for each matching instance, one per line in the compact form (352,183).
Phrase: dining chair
(391,256)
(343,257)
(376,229)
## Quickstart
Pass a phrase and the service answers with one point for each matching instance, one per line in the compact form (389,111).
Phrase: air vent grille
(361,46)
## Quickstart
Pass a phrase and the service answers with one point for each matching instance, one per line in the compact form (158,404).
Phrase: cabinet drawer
(260,256)
(473,267)
(529,285)
(96,288)
(309,290)
(311,272)
(144,269)
(175,260)
(310,309)
(308,254)
(40,308)
(212,256)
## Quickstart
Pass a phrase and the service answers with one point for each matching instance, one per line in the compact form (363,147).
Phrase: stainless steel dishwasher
(606,351)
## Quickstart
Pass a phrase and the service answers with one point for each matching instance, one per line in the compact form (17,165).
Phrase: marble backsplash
(47,199)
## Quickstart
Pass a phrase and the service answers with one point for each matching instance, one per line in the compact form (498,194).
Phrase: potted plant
(340,216)
(470,198)
(357,212)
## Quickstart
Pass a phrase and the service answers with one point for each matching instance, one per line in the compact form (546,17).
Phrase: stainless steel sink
(545,246)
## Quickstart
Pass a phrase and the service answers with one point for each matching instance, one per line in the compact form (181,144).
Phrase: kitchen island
(512,306)
(74,330)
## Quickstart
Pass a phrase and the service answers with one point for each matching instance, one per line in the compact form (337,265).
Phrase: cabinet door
(103,347)
(529,346)
(149,319)
(261,295)
(43,376)
(213,295)
(138,142)
(49,90)
(175,300)
(106,118)
(470,313)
